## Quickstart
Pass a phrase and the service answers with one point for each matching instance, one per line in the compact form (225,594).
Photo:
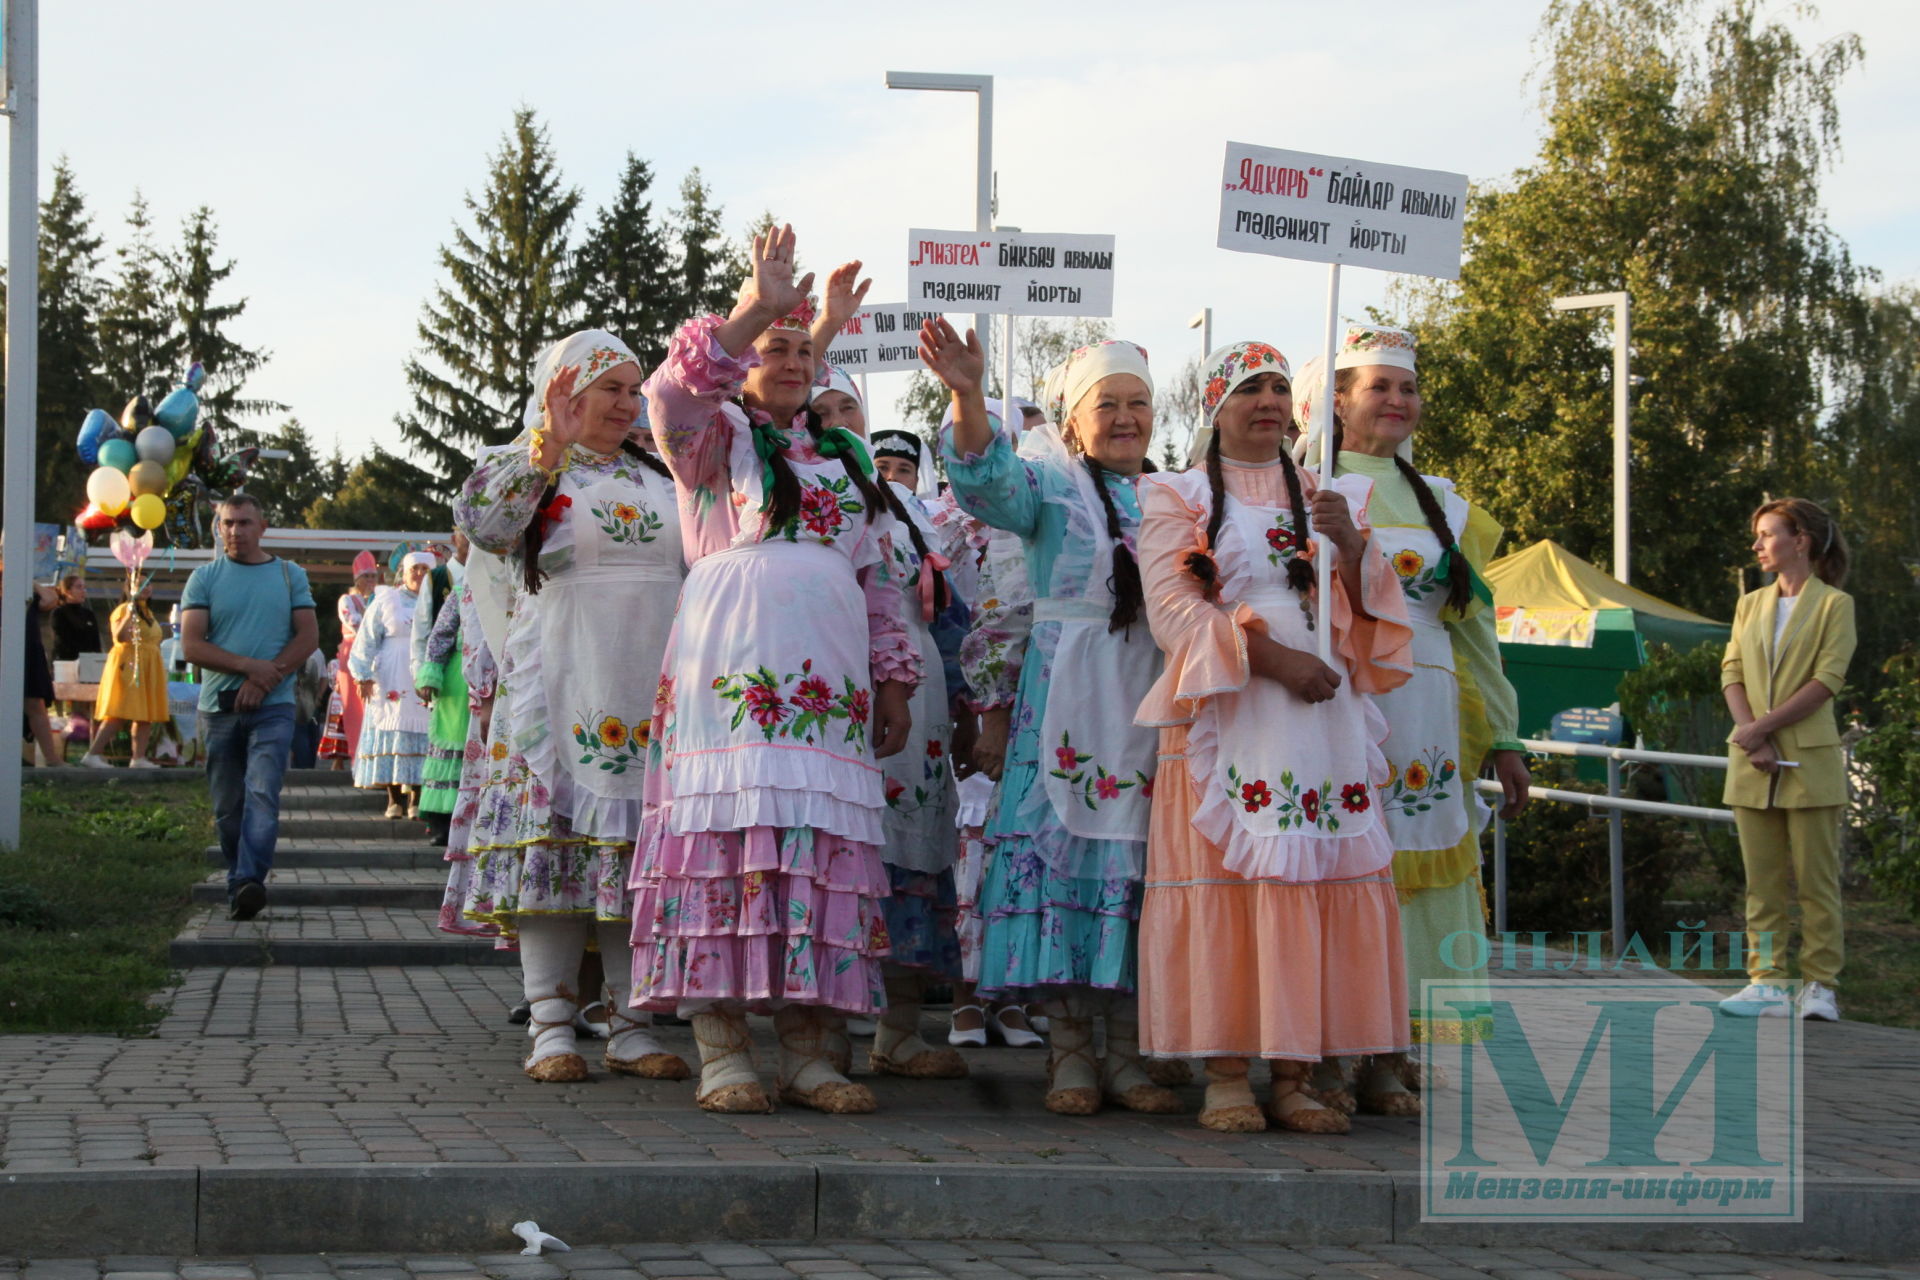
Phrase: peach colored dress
(1271,927)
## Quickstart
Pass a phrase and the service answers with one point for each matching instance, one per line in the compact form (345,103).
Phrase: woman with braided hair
(1267,859)
(1062,892)
(759,881)
(1457,706)
(583,514)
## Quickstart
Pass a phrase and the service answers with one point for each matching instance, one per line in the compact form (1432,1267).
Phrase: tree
(709,269)
(626,276)
(1681,162)
(510,291)
(200,332)
(69,362)
(1177,414)
(382,491)
(137,342)
(289,486)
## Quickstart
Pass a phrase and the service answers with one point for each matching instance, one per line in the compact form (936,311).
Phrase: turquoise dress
(1060,908)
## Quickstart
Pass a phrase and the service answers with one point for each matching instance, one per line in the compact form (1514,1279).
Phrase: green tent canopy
(1568,632)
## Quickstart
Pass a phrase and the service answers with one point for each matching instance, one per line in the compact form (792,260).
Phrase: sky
(336,142)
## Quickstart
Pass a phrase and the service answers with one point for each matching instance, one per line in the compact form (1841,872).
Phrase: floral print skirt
(922,917)
(1044,929)
(389,756)
(557,877)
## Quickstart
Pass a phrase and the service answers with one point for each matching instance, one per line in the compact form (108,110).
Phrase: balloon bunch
(158,465)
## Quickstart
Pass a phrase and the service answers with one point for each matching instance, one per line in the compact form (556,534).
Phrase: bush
(1886,776)
(1557,879)
(1675,704)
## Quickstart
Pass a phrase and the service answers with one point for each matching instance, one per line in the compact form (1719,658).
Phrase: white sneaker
(142,764)
(91,761)
(1818,1003)
(1759,1000)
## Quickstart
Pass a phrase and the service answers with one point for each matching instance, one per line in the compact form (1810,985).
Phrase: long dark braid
(942,591)
(1459,572)
(1201,564)
(782,505)
(1128,595)
(532,576)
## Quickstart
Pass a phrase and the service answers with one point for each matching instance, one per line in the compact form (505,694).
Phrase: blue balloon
(177,412)
(119,454)
(196,375)
(93,430)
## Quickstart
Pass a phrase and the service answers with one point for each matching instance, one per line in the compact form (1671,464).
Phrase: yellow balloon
(107,490)
(149,511)
(147,477)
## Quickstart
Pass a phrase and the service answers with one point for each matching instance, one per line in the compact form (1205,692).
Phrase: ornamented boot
(898,1049)
(1293,1106)
(807,1075)
(631,1049)
(1073,1074)
(1123,1076)
(727,1080)
(1380,1091)
(1230,1107)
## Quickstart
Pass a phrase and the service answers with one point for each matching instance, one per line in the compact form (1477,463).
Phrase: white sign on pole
(1292,204)
(1011,273)
(880,339)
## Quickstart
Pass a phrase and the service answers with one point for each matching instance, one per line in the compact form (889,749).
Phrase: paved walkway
(966,1260)
(339,1032)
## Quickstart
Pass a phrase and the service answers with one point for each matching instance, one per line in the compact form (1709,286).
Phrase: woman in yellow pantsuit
(1786,780)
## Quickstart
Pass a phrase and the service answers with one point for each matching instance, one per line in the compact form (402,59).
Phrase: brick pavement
(965,1260)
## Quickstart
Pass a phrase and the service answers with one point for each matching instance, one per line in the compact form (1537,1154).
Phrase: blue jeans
(246,758)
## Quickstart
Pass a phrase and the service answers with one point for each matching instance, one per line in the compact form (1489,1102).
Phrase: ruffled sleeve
(1205,643)
(499,500)
(686,399)
(892,653)
(998,486)
(1476,645)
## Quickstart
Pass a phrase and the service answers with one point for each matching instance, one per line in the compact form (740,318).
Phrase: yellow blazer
(1817,645)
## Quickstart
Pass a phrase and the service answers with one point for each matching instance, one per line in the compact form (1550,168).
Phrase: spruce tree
(710,268)
(510,290)
(200,333)
(626,277)
(69,373)
(137,342)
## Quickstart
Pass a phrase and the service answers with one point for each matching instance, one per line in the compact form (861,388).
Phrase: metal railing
(1616,807)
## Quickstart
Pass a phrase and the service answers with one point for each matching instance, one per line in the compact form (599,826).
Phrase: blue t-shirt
(249,613)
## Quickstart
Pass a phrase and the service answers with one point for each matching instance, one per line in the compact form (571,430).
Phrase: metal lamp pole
(23,330)
(1622,409)
(1203,321)
(983,159)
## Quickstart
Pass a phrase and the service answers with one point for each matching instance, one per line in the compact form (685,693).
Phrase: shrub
(1886,776)
(1675,704)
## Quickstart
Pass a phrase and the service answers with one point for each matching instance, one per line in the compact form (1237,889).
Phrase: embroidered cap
(1370,344)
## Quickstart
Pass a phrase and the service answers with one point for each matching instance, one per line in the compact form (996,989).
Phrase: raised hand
(774,289)
(958,362)
(843,297)
(564,418)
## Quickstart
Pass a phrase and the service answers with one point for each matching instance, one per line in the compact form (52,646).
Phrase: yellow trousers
(1807,843)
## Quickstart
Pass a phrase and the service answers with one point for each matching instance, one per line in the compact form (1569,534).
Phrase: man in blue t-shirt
(248,620)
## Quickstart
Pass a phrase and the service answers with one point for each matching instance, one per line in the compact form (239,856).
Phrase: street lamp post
(983,158)
(1203,321)
(1622,409)
(23,327)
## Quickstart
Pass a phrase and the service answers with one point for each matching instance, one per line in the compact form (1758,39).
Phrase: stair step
(299,853)
(338,936)
(341,887)
(298,824)
(333,799)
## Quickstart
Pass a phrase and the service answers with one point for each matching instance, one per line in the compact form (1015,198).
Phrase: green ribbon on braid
(838,442)
(1481,591)
(768,440)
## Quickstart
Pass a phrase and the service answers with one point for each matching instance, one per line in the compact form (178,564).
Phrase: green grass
(98,888)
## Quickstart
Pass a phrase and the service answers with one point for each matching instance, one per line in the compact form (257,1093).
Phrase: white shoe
(1818,1003)
(394,810)
(92,761)
(974,1039)
(1759,1000)
(1012,1037)
(858,1026)
(142,764)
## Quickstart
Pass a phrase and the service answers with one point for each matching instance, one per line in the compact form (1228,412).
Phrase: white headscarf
(1080,372)
(594,350)
(1364,346)
(833,378)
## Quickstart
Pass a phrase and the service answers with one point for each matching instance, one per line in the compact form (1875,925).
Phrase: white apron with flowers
(586,651)
(1421,799)
(1285,788)
(918,779)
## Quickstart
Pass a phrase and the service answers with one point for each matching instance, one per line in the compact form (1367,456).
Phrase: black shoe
(247,900)
(520,1014)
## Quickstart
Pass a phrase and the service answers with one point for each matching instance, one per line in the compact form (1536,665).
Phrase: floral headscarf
(1364,346)
(1226,368)
(833,378)
(595,350)
(798,320)
(1080,372)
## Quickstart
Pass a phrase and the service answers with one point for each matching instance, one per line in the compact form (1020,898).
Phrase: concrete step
(294,853)
(333,799)
(410,887)
(332,936)
(338,824)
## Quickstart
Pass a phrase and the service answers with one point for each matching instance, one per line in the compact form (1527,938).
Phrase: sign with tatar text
(1010,273)
(1291,204)
(881,339)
